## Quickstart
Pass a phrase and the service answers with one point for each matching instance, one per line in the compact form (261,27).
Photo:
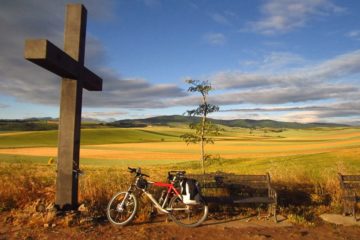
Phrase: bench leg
(272,211)
(348,207)
(354,211)
(344,209)
(258,212)
(275,213)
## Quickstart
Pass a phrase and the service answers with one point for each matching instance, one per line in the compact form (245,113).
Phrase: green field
(290,152)
(96,136)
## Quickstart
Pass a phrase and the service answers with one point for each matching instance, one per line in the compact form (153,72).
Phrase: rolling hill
(38,124)
(178,120)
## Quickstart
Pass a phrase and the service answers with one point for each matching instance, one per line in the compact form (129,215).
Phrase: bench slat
(229,177)
(353,185)
(213,184)
(350,178)
(242,178)
(255,200)
(229,200)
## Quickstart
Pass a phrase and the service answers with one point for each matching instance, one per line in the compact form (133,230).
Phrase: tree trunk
(202,135)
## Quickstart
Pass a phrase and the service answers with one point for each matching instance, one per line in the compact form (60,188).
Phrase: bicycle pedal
(153,214)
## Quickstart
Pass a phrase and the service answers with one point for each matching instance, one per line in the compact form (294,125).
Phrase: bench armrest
(272,193)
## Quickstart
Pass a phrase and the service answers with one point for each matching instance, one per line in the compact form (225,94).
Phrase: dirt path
(162,230)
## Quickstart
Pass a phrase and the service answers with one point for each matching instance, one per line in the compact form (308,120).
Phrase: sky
(284,60)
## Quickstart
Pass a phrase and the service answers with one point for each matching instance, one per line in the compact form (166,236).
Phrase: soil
(210,230)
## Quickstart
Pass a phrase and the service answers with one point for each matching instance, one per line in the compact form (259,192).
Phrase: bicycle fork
(120,207)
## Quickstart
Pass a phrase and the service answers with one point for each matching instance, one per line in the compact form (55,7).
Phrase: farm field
(164,143)
(237,149)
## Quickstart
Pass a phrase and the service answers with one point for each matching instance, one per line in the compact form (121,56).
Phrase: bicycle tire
(187,215)
(121,217)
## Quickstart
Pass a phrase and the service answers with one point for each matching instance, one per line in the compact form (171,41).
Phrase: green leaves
(203,109)
(190,138)
(203,87)
(209,130)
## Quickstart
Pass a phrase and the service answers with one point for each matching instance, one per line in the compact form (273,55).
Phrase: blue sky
(267,59)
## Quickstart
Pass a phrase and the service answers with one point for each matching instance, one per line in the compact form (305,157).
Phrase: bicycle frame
(170,188)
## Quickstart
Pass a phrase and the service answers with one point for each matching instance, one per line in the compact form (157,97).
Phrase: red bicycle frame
(170,188)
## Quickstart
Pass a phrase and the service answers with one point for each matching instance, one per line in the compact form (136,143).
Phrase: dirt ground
(210,230)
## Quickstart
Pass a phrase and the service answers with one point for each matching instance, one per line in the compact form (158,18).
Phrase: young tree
(203,129)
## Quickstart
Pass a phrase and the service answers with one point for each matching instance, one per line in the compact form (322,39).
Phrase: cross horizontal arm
(92,81)
(47,55)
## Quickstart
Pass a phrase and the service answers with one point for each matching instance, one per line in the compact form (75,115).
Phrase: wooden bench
(237,189)
(350,189)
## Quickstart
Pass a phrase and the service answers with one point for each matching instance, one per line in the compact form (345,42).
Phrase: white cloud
(215,38)
(332,79)
(224,17)
(275,62)
(131,93)
(354,34)
(103,115)
(281,16)
(329,110)
(343,112)
(219,18)
(341,66)
(281,95)
(300,117)
(279,60)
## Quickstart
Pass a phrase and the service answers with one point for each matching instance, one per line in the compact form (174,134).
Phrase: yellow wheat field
(241,145)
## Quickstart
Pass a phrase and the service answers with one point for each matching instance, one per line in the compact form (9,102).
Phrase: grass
(89,137)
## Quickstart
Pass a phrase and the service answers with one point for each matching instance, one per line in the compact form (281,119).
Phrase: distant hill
(38,124)
(55,120)
(176,120)
(41,124)
(27,124)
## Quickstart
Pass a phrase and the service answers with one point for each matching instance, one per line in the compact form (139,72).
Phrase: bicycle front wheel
(187,215)
(122,208)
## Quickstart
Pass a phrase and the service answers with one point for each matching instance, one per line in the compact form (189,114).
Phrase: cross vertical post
(70,112)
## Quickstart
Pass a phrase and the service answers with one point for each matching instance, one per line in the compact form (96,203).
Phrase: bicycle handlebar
(176,175)
(137,171)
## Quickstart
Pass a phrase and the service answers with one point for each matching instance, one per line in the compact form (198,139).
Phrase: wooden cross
(68,64)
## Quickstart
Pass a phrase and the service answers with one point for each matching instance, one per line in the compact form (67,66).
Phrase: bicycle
(122,207)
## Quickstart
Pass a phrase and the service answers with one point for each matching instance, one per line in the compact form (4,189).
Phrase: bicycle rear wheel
(187,215)
(121,211)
